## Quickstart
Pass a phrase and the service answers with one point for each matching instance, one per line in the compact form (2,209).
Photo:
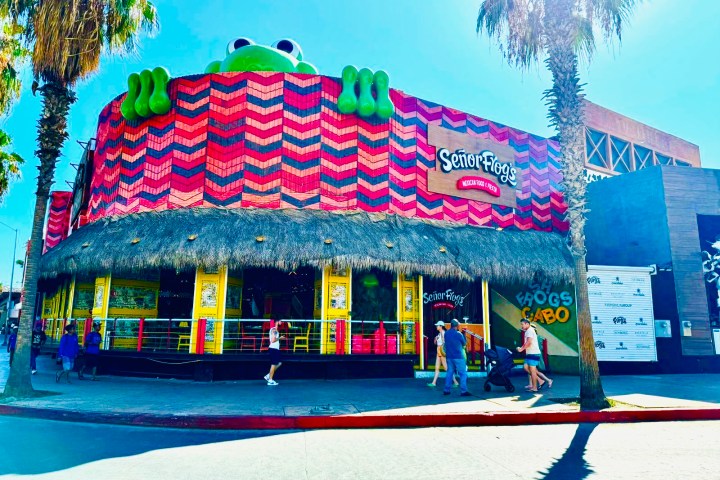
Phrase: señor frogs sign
(472,167)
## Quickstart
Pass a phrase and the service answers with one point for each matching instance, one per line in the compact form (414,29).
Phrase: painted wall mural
(278,140)
(551,308)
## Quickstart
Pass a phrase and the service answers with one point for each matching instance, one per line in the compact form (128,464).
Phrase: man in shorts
(68,352)
(532,354)
(274,352)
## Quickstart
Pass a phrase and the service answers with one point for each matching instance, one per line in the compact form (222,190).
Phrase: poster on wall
(622,314)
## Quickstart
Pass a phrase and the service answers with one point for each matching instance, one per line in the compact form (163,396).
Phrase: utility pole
(10,303)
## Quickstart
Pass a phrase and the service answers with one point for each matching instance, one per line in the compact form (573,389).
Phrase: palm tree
(66,39)
(12,53)
(561,31)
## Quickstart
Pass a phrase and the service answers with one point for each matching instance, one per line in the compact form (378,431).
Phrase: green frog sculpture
(363,92)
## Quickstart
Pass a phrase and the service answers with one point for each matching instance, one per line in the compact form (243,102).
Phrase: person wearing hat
(532,354)
(12,342)
(92,351)
(455,354)
(440,353)
(38,340)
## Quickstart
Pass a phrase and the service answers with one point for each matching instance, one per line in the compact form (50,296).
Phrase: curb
(257,422)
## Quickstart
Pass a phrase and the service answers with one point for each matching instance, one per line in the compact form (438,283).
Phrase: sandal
(541,385)
(549,382)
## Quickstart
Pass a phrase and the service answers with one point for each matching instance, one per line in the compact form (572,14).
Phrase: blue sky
(665,73)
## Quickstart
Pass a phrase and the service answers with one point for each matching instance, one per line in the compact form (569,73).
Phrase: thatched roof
(293,238)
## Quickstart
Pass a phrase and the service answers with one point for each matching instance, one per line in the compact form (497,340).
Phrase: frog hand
(373,93)
(147,94)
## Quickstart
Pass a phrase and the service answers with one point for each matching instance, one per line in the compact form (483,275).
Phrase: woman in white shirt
(440,355)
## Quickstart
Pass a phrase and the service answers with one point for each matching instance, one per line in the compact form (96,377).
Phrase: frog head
(244,55)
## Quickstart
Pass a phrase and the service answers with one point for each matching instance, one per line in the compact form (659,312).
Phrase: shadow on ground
(572,464)
(33,447)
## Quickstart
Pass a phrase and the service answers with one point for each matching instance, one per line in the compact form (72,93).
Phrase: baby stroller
(500,360)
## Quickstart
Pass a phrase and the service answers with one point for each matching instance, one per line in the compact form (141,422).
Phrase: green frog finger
(347,101)
(385,107)
(142,104)
(127,107)
(159,100)
(366,102)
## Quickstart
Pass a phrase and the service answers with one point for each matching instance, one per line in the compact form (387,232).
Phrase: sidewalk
(353,403)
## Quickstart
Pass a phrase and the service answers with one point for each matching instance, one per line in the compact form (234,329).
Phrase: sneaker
(267,377)
(272,382)
(456,385)
(466,394)
(446,393)
(34,372)
(431,385)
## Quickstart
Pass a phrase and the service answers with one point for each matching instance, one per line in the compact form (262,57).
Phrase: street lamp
(10,293)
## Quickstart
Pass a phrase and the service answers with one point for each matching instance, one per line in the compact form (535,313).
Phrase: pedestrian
(274,352)
(92,351)
(541,376)
(455,355)
(38,340)
(68,352)
(12,342)
(440,353)
(532,354)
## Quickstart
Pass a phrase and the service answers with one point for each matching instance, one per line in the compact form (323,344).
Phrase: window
(596,148)
(643,157)
(663,159)
(620,152)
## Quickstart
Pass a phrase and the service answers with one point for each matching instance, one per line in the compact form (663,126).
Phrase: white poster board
(622,313)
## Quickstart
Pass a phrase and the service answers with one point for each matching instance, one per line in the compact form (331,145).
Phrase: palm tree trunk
(52,132)
(566,114)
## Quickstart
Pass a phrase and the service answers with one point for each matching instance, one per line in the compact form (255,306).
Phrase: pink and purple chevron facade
(276,140)
(58,219)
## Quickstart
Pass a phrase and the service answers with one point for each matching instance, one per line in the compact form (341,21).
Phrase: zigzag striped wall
(58,221)
(275,140)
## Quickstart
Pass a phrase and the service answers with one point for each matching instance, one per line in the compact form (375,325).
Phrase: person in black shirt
(38,340)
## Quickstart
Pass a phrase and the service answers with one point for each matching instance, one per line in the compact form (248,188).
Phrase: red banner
(479,183)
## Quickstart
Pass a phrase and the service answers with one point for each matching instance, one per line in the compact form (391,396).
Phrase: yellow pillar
(101,303)
(408,311)
(209,303)
(70,298)
(337,287)
(486,312)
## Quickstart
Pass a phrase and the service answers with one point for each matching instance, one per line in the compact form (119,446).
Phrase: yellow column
(209,303)
(486,312)
(102,296)
(337,289)
(70,298)
(408,311)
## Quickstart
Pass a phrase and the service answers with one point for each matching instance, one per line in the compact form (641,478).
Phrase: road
(76,451)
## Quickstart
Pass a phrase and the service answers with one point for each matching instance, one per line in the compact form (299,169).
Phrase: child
(68,352)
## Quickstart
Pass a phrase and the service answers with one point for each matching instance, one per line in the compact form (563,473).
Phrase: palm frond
(9,164)
(517,28)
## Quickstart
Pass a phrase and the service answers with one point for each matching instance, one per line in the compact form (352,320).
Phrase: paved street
(60,450)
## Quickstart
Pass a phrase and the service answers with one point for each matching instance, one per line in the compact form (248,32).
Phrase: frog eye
(238,43)
(289,46)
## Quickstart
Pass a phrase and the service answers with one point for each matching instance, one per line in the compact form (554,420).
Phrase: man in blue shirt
(455,354)
(92,351)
